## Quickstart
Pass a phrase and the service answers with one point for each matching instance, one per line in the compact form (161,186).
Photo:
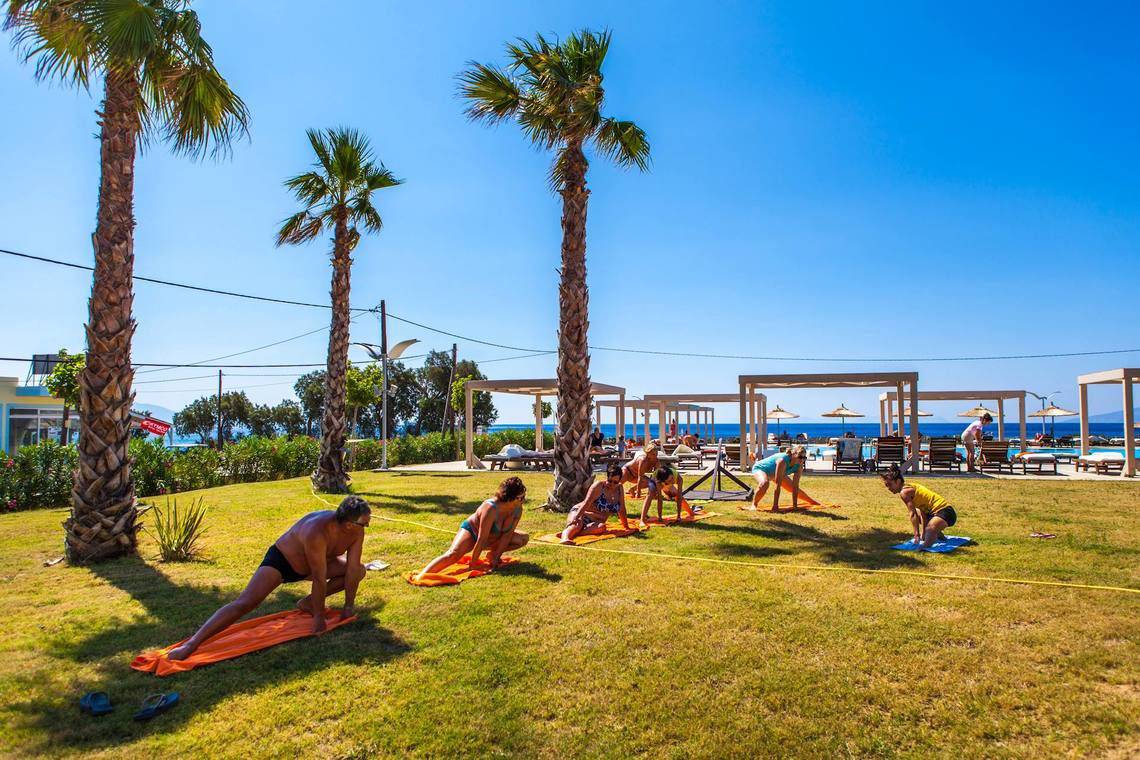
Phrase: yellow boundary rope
(790,566)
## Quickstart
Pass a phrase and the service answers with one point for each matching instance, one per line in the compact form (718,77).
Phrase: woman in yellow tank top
(930,514)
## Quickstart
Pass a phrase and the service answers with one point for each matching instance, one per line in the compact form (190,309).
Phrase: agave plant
(178,533)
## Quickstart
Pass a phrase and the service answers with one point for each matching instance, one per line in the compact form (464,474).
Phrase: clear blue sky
(827,180)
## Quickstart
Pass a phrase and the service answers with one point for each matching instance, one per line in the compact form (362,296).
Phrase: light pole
(1044,402)
(383,356)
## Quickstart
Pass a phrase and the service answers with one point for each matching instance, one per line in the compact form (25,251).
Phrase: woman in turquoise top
(776,468)
(490,528)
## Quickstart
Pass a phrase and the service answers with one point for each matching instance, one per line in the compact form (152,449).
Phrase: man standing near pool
(324,547)
(972,437)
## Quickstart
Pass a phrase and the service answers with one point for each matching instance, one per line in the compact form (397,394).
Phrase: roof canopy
(543,387)
(1110,376)
(956,395)
(831,380)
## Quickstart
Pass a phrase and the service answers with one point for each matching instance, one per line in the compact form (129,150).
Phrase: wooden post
(662,424)
(743,400)
(763,424)
(538,423)
(1001,421)
(620,432)
(915,435)
(448,412)
(221,442)
(646,411)
(1021,421)
(1129,428)
(469,425)
(902,408)
(1083,392)
(712,426)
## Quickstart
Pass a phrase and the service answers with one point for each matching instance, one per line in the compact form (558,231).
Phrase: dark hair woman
(491,528)
(930,514)
(604,499)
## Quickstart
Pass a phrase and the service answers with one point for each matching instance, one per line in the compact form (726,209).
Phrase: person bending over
(972,437)
(930,514)
(776,468)
(322,547)
(604,499)
(639,469)
(665,483)
(490,528)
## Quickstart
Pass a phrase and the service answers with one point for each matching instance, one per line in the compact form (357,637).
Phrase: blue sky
(828,181)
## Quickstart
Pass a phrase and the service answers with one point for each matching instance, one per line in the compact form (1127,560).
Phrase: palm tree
(553,90)
(159,80)
(337,195)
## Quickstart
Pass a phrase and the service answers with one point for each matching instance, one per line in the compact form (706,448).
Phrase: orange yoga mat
(671,520)
(457,573)
(804,501)
(592,536)
(240,638)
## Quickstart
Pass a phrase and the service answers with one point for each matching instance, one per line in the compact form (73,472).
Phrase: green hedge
(40,475)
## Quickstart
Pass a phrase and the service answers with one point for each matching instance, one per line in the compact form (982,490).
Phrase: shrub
(178,533)
(196,468)
(37,476)
(151,465)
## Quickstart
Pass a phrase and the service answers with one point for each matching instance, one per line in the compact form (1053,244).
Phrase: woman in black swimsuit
(604,499)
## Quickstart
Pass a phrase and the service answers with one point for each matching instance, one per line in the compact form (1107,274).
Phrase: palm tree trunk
(572,471)
(102,521)
(330,475)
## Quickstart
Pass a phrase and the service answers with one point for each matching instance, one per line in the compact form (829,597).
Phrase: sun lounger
(1102,462)
(537,461)
(849,455)
(995,456)
(889,449)
(1038,461)
(943,454)
(686,457)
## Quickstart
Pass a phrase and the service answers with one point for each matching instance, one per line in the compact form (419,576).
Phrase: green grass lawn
(584,653)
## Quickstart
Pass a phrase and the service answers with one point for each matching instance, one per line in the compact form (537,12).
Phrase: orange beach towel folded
(592,536)
(240,638)
(457,573)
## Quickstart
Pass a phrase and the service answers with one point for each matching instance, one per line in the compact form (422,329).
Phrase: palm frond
(200,113)
(560,174)
(362,212)
(56,36)
(311,188)
(378,177)
(299,228)
(624,143)
(494,95)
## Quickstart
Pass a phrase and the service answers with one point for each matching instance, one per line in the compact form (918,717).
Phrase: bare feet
(304,605)
(181,653)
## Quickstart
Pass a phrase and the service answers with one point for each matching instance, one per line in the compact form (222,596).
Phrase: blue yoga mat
(940,547)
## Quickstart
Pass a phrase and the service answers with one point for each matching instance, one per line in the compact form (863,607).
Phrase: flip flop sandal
(1035,534)
(95,703)
(156,704)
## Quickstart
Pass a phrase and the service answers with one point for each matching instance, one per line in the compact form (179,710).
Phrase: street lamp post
(383,356)
(1044,402)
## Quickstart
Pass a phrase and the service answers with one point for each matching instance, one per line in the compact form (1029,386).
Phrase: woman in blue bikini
(776,468)
(604,499)
(490,528)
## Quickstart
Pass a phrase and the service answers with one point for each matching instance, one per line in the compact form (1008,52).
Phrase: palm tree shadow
(446,504)
(172,612)
(530,570)
(870,549)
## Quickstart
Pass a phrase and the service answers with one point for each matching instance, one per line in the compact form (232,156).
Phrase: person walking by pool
(597,438)
(666,482)
(972,437)
(638,469)
(930,514)
(776,468)
(491,528)
(604,500)
(323,547)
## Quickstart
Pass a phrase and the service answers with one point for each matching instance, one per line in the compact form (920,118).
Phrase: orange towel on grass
(592,536)
(804,501)
(240,638)
(672,519)
(454,574)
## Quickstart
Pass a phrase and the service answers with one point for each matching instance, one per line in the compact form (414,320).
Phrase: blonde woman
(639,469)
(776,468)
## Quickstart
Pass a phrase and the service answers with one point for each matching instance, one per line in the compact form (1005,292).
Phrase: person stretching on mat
(972,437)
(638,469)
(777,467)
(605,498)
(323,547)
(930,514)
(490,528)
(666,482)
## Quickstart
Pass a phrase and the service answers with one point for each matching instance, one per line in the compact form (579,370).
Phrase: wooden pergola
(660,401)
(1126,376)
(674,409)
(890,423)
(536,388)
(897,380)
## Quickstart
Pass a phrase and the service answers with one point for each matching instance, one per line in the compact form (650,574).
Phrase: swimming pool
(828,452)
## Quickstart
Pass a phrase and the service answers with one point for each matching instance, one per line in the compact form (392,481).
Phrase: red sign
(151,425)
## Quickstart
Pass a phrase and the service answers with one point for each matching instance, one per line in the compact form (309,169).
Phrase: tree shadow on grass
(446,504)
(870,549)
(172,613)
(530,570)
(748,550)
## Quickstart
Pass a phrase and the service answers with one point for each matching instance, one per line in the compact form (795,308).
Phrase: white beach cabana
(1126,376)
(900,381)
(645,407)
(535,388)
(887,401)
(758,405)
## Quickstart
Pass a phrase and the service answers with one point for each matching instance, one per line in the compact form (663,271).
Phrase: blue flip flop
(156,704)
(95,703)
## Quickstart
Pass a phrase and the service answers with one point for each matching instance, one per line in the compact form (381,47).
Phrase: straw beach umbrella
(978,411)
(921,413)
(1052,412)
(843,413)
(778,414)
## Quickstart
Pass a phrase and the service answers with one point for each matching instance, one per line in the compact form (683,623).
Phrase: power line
(471,340)
(182,285)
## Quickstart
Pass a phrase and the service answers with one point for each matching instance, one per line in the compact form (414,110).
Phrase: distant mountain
(161,412)
(1114,416)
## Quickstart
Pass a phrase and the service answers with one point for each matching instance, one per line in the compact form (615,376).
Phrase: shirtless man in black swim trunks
(324,547)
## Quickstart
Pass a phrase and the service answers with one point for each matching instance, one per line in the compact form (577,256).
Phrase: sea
(819,431)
